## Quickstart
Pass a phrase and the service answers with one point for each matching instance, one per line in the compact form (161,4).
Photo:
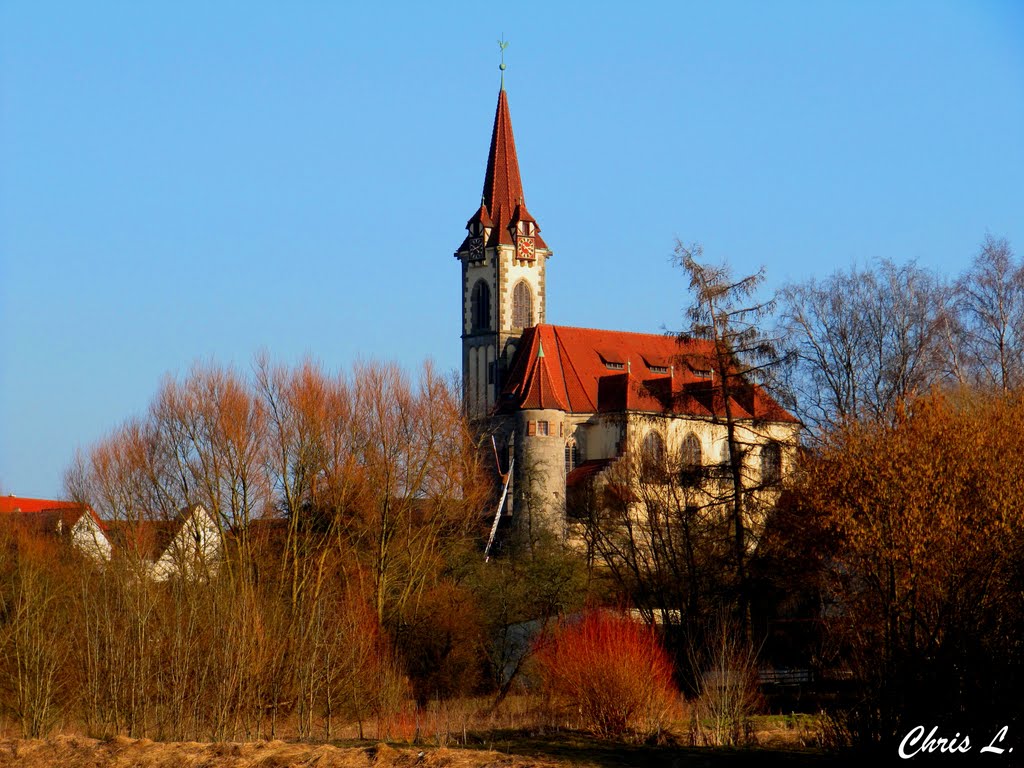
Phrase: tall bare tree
(666,540)
(728,312)
(988,345)
(864,342)
(356,493)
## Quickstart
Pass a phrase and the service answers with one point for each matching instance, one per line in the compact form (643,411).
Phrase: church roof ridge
(612,330)
(578,391)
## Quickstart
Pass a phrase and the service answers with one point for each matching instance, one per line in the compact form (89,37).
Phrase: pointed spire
(540,390)
(503,187)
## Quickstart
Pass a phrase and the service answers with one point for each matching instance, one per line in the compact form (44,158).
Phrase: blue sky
(201,181)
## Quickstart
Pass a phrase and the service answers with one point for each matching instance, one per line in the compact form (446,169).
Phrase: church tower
(503,264)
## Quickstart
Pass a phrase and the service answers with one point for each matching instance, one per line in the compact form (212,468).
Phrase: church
(568,406)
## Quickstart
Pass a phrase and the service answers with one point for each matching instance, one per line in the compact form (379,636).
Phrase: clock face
(476,248)
(525,249)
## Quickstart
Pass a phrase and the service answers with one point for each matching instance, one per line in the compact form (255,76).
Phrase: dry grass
(465,733)
(79,752)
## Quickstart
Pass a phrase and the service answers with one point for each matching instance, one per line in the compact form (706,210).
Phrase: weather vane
(502,44)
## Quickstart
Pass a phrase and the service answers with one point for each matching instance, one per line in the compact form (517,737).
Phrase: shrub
(613,670)
(725,668)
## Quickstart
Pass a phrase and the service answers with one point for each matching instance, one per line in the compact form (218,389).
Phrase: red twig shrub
(613,670)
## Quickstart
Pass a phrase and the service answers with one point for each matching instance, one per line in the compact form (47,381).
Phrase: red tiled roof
(503,186)
(521,214)
(480,217)
(21,504)
(43,518)
(586,471)
(543,393)
(48,510)
(584,370)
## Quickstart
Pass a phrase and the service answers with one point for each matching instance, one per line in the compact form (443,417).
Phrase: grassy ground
(511,749)
(466,733)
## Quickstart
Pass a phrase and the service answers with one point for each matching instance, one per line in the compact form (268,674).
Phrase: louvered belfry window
(522,305)
(480,306)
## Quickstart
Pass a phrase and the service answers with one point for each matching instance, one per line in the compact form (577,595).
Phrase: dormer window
(656,363)
(613,360)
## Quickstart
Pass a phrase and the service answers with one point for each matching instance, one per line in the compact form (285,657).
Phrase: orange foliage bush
(614,670)
(920,527)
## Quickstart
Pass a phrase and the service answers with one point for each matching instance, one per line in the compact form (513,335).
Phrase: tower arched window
(652,456)
(522,305)
(480,306)
(771,463)
(690,459)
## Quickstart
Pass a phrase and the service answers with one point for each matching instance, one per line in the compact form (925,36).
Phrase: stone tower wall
(540,472)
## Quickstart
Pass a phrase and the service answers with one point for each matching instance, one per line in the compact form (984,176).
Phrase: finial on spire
(502,44)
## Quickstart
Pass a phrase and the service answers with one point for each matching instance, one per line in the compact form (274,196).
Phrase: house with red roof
(566,405)
(187,544)
(48,521)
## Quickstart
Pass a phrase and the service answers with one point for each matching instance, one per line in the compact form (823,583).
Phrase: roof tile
(585,370)
(503,196)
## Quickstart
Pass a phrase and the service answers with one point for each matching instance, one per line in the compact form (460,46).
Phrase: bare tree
(664,538)
(34,646)
(864,342)
(212,432)
(727,312)
(420,489)
(725,667)
(332,493)
(988,345)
